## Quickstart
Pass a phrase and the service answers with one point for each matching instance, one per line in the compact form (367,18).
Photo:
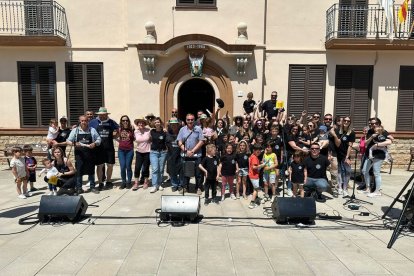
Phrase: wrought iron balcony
(32,23)
(365,27)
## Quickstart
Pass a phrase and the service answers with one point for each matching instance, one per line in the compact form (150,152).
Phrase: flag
(388,6)
(402,12)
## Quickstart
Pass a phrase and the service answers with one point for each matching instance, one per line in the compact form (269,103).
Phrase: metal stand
(405,203)
(352,198)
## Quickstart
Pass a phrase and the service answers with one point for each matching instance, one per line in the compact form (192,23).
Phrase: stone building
(133,56)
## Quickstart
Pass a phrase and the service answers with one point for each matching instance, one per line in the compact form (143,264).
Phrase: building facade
(133,56)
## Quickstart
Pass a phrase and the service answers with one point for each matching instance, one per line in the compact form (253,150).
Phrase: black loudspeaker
(294,209)
(62,207)
(183,208)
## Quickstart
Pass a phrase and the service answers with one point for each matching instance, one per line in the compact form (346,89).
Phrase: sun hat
(149,115)
(173,121)
(203,116)
(141,119)
(102,110)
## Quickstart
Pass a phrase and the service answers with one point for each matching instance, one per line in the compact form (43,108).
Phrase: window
(38,17)
(196,3)
(84,88)
(306,89)
(353,90)
(353,18)
(37,93)
(405,109)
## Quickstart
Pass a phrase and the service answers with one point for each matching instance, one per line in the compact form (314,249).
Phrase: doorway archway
(195,94)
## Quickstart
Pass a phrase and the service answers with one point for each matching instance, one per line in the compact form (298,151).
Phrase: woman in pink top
(142,163)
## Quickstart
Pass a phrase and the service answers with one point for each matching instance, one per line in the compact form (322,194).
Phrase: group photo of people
(257,155)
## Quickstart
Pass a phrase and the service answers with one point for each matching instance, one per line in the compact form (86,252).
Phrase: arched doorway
(195,94)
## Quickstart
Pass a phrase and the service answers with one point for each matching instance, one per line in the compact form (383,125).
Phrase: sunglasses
(310,125)
(190,120)
(174,112)
(347,121)
(124,121)
(316,117)
(328,119)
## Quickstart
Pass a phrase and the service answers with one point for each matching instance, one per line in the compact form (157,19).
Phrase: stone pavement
(230,240)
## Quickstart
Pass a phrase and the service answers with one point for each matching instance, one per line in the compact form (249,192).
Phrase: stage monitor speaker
(62,207)
(175,207)
(295,209)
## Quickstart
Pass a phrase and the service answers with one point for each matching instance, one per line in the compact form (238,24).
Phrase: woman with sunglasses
(126,140)
(344,139)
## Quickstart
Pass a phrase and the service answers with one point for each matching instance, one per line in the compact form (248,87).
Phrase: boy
(31,165)
(248,105)
(254,168)
(269,173)
(19,172)
(51,176)
(209,166)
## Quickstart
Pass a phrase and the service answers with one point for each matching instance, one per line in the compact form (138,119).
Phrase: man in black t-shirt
(269,107)
(315,167)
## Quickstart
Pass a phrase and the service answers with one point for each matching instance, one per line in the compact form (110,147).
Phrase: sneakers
(199,191)
(101,186)
(95,191)
(123,186)
(363,192)
(289,192)
(135,187)
(252,205)
(237,196)
(153,190)
(264,199)
(223,197)
(21,196)
(340,192)
(273,199)
(245,197)
(29,194)
(374,194)
(160,188)
(33,189)
(50,193)
(232,196)
(206,202)
(79,191)
(108,185)
(345,193)
(174,189)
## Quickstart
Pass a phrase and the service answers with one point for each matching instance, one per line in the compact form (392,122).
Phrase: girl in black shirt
(227,170)
(242,159)
(297,173)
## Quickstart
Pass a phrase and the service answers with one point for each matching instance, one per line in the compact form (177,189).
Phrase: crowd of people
(249,154)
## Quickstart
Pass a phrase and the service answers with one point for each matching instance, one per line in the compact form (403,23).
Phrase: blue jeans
(344,170)
(125,161)
(376,167)
(175,181)
(318,184)
(157,159)
(91,179)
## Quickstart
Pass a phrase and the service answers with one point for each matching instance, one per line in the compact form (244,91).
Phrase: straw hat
(102,110)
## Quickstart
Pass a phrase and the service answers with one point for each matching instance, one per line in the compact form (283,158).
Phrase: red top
(126,139)
(253,161)
(362,146)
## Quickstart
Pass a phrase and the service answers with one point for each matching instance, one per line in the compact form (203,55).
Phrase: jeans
(125,161)
(318,184)
(344,170)
(175,180)
(376,166)
(91,179)
(157,159)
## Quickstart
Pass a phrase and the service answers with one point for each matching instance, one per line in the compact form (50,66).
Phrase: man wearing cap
(85,139)
(105,153)
(174,163)
(269,107)
(150,119)
(190,139)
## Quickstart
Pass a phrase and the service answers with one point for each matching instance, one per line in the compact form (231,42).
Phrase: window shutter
(306,89)
(352,18)
(195,3)
(84,88)
(39,16)
(353,93)
(37,92)
(296,93)
(405,109)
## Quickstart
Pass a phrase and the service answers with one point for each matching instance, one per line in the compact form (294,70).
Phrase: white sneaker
(374,194)
(222,198)
(50,193)
(55,193)
(273,199)
(232,196)
(160,188)
(340,192)
(345,193)
(28,194)
(289,192)
(264,199)
(153,189)
(21,196)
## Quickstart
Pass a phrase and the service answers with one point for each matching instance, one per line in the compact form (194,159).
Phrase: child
(51,175)
(248,105)
(209,167)
(227,170)
(378,138)
(297,174)
(31,165)
(242,158)
(20,172)
(52,132)
(322,139)
(269,173)
(254,168)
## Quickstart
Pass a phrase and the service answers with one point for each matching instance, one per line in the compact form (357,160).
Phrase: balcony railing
(32,18)
(364,22)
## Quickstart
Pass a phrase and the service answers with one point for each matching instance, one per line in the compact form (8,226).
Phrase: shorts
(255,183)
(299,184)
(22,179)
(104,156)
(243,172)
(32,177)
(269,178)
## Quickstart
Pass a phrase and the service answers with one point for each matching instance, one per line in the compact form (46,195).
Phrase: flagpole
(411,30)
(393,18)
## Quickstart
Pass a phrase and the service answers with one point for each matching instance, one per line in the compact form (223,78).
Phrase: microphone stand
(284,160)
(352,198)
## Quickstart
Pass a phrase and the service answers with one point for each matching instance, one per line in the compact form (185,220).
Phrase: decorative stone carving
(242,33)
(151,36)
(149,61)
(241,63)
(196,54)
